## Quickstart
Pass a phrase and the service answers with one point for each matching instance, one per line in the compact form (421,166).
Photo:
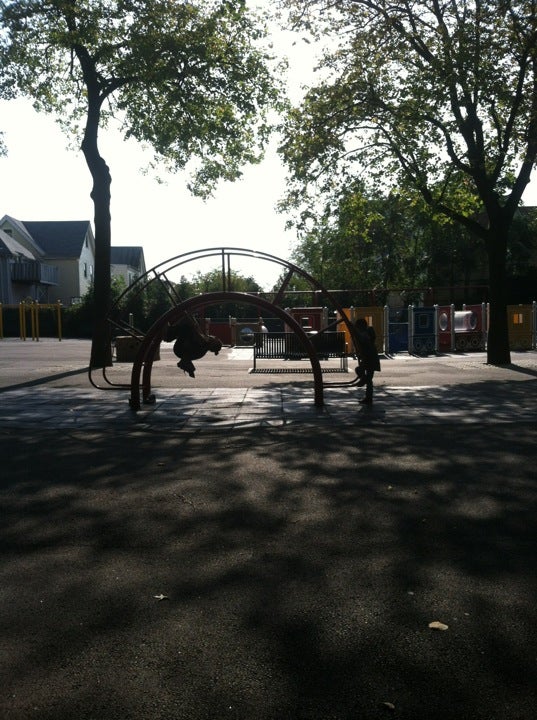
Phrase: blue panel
(423,321)
(398,336)
(423,339)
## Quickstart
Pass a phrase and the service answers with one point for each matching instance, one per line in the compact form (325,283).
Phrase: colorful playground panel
(375,318)
(522,326)
(442,328)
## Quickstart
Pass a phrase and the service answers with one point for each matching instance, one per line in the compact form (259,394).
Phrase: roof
(10,247)
(19,227)
(128,255)
(59,238)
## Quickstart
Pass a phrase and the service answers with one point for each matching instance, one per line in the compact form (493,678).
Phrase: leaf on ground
(388,705)
(437,625)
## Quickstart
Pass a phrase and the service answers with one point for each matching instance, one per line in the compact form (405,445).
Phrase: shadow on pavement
(44,380)
(300,570)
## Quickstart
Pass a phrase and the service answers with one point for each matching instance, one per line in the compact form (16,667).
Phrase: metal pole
(59,308)
(22,320)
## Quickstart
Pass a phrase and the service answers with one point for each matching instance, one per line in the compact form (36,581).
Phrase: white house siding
(129,274)
(68,286)
(86,266)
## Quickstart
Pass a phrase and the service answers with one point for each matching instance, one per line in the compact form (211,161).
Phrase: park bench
(287,346)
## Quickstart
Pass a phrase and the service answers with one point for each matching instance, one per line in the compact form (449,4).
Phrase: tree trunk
(101,346)
(498,336)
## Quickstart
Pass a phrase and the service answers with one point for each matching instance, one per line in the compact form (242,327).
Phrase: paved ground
(234,552)
(46,383)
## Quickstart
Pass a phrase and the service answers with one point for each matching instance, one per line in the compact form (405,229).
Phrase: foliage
(212,281)
(375,242)
(78,320)
(190,80)
(522,248)
(150,301)
(440,98)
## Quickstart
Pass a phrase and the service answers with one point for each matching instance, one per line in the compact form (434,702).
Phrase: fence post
(22,320)
(387,329)
(59,309)
(410,312)
(436,330)
(34,314)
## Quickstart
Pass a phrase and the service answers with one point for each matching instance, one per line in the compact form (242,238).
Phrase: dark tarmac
(234,552)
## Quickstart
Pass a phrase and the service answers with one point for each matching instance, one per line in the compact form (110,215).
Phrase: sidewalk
(39,387)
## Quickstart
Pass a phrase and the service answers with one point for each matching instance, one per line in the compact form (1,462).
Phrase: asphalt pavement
(233,551)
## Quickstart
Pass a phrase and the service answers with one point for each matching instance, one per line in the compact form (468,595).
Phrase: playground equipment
(187,308)
(442,328)
(424,330)
(376,317)
(522,326)
(29,321)
(414,323)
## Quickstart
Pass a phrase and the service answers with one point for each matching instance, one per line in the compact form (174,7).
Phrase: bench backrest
(283,344)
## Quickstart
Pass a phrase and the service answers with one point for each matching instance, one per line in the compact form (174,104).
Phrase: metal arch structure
(141,371)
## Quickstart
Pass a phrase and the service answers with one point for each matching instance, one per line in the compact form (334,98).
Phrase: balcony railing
(33,271)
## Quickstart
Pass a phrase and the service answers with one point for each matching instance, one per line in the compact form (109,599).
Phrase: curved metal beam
(150,343)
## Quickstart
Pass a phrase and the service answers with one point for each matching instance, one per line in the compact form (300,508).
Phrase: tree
(78,320)
(375,242)
(438,97)
(212,281)
(189,79)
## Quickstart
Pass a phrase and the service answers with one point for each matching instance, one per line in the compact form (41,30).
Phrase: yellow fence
(28,313)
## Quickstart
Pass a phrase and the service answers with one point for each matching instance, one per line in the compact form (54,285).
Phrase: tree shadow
(301,569)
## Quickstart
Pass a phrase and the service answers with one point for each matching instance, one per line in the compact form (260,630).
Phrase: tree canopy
(194,81)
(437,97)
(363,239)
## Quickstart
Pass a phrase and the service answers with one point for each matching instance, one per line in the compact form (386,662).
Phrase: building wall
(75,274)
(86,266)
(128,273)
(68,287)
(6,290)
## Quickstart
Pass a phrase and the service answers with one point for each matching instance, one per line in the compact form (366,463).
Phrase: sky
(40,179)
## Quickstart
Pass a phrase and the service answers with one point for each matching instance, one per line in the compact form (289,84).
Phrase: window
(518,319)
(85,270)
(443,322)
(423,320)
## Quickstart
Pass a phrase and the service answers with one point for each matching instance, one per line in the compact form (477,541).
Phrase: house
(51,261)
(128,263)
(20,272)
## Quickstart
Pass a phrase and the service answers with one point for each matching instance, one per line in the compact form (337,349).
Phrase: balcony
(33,271)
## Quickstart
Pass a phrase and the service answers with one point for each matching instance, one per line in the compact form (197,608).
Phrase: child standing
(368,358)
